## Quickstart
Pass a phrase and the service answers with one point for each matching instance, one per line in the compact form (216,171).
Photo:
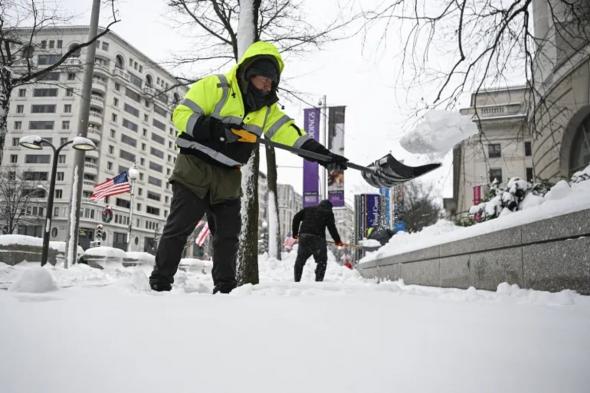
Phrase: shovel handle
(313,155)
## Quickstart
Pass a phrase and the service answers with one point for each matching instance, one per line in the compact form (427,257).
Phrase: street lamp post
(35,142)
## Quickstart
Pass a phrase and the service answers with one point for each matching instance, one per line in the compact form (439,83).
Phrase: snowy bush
(520,195)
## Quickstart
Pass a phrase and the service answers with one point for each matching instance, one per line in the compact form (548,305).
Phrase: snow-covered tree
(16,198)
(420,210)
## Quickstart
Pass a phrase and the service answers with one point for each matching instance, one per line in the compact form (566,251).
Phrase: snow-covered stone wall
(551,255)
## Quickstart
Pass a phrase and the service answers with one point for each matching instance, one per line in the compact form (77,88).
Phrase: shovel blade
(387,172)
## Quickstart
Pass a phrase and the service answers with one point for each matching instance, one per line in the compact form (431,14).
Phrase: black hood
(325,204)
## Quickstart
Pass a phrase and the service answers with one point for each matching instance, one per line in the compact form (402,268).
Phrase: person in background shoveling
(218,122)
(312,237)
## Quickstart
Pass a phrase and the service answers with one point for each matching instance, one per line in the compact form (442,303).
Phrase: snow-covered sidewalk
(104,331)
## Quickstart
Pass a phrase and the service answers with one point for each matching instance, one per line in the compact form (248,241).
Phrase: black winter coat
(314,221)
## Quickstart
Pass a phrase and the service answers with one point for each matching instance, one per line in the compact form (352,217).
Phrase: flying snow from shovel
(438,132)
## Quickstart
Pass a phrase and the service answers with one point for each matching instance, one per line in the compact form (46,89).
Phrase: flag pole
(132,175)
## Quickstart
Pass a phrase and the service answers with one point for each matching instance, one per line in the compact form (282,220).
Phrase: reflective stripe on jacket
(219,96)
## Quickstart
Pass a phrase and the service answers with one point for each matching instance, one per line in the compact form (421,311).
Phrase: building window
(130,109)
(15,141)
(496,173)
(69,92)
(22,92)
(115,101)
(59,44)
(68,108)
(114,117)
(41,125)
(44,44)
(529,175)
(105,46)
(127,156)
(18,125)
(152,210)
(157,153)
(13,158)
(129,124)
(109,165)
(37,159)
(154,181)
(42,108)
(44,92)
(61,159)
(65,125)
(111,149)
(528,151)
(122,203)
(58,194)
(494,150)
(117,87)
(128,140)
(62,140)
(60,176)
(20,109)
(113,133)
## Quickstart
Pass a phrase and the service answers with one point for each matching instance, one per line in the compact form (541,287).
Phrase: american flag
(203,234)
(117,185)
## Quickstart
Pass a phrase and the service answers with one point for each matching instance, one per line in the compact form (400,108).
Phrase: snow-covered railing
(551,254)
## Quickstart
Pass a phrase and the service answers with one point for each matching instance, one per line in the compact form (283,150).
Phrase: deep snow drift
(91,330)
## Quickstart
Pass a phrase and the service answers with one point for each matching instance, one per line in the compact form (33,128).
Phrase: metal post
(324,178)
(49,214)
(130,215)
(78,175)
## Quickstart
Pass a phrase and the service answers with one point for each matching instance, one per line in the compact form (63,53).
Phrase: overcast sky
(359,73)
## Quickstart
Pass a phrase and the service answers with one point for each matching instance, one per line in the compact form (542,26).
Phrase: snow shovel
(385,172)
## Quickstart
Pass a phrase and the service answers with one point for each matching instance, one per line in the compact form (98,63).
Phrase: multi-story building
(129,121)
(561,115)
(344,217)
(290,203)
(501,150)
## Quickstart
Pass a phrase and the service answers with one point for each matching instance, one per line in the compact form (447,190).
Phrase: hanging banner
(386,208)
(336,145)
(311,123)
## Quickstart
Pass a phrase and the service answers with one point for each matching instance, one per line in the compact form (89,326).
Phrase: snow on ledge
(562,201)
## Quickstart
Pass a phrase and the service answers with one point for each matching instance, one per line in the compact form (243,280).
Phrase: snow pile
(105,252)
(438,133)
(8,240)
(34,279)
(563,198)
(142,258)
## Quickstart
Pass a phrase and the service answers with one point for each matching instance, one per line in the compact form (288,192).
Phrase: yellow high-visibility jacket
(219,96)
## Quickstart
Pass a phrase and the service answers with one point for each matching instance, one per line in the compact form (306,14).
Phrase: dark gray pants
(311,245)
(185,212)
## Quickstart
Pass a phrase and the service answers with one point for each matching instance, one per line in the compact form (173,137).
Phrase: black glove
(337,162)
(209,128)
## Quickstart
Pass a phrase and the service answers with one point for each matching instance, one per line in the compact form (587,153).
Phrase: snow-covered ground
(89,330)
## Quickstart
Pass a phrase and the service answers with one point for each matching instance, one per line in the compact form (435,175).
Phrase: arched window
(580,154)
(119,62)
(148,80)
(76,53)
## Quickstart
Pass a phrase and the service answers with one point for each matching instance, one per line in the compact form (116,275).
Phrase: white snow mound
(438,133)
(35,280)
